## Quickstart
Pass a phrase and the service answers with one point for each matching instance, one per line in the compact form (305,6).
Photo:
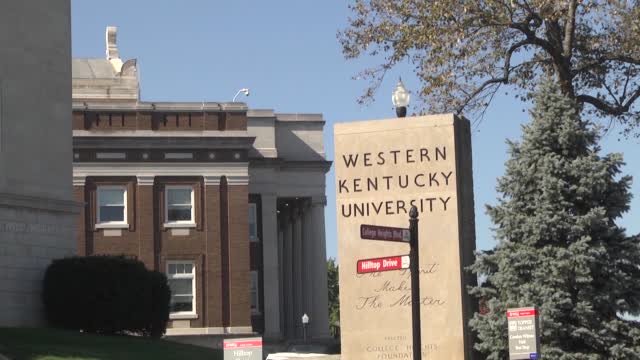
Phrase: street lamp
(305,322)
(244,91)
(400,99)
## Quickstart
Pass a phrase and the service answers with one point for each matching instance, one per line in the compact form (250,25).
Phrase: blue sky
(287,53)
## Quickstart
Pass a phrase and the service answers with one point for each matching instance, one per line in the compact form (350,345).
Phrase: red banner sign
(383,264)
(521,313)
(242,344)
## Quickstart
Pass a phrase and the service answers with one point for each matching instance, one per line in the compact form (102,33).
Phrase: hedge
(106,295)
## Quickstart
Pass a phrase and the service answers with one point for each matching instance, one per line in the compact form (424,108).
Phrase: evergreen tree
(559,247)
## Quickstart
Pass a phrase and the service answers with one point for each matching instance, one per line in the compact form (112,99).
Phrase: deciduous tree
(463,51)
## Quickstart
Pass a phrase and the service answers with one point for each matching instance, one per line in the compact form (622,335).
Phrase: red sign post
(383,264)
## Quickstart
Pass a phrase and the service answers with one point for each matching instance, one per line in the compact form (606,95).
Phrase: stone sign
(242,349)
(383,167)
(524,333)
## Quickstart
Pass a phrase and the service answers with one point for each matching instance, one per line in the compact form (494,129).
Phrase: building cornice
(159,106)
(194,140)
(236,173)
(279,163)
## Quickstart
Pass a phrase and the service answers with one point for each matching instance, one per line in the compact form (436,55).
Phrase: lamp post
(400,99)
(244,91)
(305,322)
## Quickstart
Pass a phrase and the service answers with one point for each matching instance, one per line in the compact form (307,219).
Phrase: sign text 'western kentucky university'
(383,264)
(383,167)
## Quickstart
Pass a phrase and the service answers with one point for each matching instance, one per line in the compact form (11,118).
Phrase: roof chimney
(112,49)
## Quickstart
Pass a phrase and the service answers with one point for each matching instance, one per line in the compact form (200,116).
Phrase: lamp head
(305,319)
(400,98)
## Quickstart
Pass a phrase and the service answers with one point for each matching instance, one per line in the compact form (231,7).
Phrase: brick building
(227,201)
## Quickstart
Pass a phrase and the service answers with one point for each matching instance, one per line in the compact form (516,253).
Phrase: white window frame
(253,208)
(254,276)
(111,224)
(180,223)
(184,314)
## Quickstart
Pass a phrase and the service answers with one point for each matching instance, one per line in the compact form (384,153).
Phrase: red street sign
(521,313)
(383,264)
(385,233)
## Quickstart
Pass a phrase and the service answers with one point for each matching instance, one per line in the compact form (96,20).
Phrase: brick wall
(218,244)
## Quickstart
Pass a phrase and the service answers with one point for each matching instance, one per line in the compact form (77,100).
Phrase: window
(179,205)
(182,282)
(253,223)
(112,205)
(255,294)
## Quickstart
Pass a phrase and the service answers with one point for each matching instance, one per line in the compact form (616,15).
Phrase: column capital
(237,180)
(79,180)
(318,200)
(211,180)
(145,180)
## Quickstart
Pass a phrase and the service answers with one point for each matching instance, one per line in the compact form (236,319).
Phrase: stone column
(283,324)
(144,222)
(271,267)
(319,319)
(307,255)
(287,271)
(297,270)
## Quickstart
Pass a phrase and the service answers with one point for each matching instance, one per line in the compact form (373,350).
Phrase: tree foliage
(334,291)
(464,50)
(559,247)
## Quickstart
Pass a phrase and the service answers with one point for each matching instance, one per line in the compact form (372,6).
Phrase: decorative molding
(237,180)
(178,155)
(112,48)
(110,156)
(79,180)
(232,171)
(145,180)
(211,180)
(40,203)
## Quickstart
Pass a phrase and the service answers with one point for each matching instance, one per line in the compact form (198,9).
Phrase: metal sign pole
(415,283)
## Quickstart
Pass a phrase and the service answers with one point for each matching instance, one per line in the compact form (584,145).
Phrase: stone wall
(36,211)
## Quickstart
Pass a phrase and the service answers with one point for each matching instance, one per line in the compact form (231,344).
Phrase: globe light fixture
(305,322)
(400,99)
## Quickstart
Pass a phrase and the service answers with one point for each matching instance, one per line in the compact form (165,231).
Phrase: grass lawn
(50,344)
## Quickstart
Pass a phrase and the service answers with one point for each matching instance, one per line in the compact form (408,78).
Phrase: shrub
(159,314)
(105,294)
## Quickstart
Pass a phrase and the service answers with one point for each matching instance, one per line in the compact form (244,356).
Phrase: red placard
(383,264)
(242,344)
(521,313)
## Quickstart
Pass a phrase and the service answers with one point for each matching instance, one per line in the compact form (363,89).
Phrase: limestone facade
(37,214)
